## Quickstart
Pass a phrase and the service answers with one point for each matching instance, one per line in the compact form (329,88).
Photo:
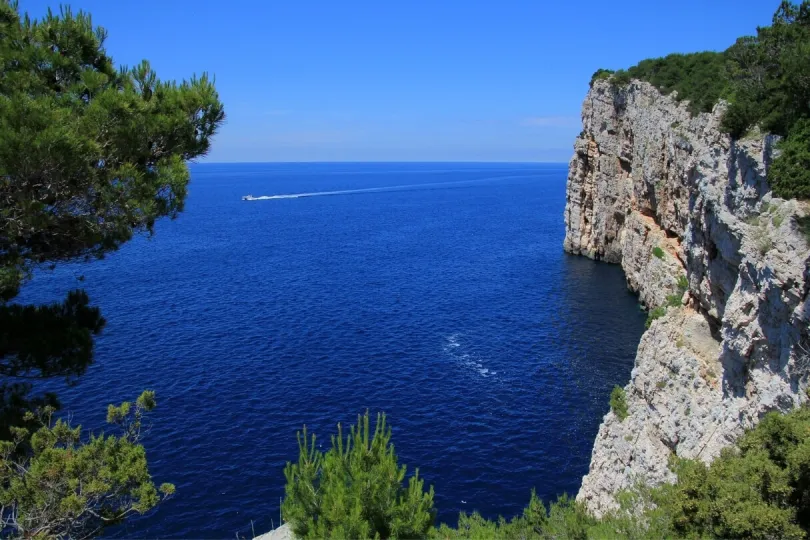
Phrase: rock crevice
(647,174)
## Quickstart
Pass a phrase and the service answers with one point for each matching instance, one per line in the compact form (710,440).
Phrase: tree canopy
(90,155)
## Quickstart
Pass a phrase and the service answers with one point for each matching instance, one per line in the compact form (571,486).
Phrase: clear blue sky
(496,80)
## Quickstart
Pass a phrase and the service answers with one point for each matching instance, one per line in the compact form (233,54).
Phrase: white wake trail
(379,189)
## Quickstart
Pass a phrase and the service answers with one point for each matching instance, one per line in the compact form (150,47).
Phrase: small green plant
(356,489)
(777,220)
(683,284)
(680,343)
(658,252)
(660,384)
(618,402)
(656,313)
(674,300)
(628,438)
(752,220)
(601,74)
(765,207)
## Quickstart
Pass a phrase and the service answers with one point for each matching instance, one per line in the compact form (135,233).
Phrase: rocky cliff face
(647,174)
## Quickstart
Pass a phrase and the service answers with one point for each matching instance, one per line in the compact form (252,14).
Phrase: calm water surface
(438,293)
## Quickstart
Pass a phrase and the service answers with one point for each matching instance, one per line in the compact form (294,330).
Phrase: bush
(789,174)
(758,490)
(656,313)
(356,489)
(658,252)
(618,402)
(601,74)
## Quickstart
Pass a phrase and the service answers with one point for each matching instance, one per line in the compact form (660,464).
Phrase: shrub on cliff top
(766,80)
(658,252)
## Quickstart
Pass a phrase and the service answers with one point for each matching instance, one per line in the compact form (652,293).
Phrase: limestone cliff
(647,174)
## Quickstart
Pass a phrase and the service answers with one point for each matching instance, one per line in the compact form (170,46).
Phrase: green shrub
(618,402)
(356,489)
(758,489)
(658,252)
(789,174)
(674,300)
(656,313)
(683,284)
(601,74)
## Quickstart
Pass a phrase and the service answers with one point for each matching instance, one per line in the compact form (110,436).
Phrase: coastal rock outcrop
(668,195)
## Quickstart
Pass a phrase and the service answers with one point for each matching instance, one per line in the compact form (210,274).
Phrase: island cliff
(648,174)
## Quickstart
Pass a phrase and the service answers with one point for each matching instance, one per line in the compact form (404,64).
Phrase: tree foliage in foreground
(56,484)
(766,80)
(90,154)
(356,489)
(759,488)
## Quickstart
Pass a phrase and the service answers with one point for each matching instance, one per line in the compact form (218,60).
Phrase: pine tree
(90,155)
(356,489)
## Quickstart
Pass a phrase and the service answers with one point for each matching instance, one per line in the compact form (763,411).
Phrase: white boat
(248,198)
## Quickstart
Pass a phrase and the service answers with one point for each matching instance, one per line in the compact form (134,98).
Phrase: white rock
(647,174)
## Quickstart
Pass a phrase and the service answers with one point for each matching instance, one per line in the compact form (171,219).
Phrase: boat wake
(459,353)
(384,189)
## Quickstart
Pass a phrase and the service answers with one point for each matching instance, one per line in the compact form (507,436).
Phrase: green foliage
(90,154)
(766,80)
(53,484)
(654,314)
(789,174)
(758,489)
(601,74)
(618,402)
(695,77)
(356,489)
(658,252)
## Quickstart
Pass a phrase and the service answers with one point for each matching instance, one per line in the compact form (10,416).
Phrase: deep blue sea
(437,293)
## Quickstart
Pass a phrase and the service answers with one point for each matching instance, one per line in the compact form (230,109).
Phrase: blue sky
(410,80)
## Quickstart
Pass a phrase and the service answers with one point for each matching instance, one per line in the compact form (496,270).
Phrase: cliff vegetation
(764,78)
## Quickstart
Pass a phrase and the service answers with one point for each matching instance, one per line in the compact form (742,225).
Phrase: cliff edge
(647,174)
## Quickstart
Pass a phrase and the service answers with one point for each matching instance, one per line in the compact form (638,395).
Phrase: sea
(437,293)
